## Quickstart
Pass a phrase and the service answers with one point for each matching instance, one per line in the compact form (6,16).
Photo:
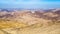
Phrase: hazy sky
(29,3)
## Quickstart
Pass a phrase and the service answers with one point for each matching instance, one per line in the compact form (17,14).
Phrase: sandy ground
(53,29)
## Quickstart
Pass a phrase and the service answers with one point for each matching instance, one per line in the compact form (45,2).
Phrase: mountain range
(30,21)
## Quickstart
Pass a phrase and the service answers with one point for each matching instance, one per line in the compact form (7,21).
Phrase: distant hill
(32,15)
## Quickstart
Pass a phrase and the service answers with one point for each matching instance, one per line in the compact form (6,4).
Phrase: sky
(30,4)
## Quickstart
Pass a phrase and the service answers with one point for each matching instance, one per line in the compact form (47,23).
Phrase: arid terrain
(30,21)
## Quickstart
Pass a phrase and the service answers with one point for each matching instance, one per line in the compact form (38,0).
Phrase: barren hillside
(30,22)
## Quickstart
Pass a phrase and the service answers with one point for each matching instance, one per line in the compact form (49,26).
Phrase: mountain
(30,21)
(32,16)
